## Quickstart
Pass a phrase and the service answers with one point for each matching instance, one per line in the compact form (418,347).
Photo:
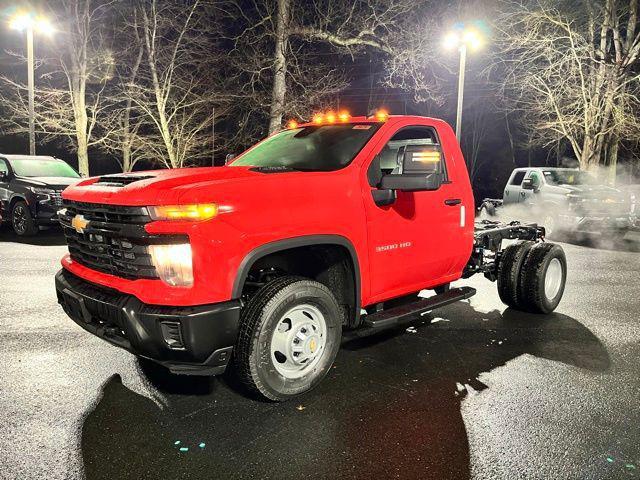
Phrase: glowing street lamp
(31,23)
(462,39)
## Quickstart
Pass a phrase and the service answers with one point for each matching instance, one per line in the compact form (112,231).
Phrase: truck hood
(56,183)
(164,187)
(595,192)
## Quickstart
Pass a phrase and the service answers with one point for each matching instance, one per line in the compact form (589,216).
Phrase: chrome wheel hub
(19,219)
(553,279)
(298,341)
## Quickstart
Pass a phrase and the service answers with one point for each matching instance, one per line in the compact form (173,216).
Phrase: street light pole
(32,119)
(463,61)
(462,39)
(30,23)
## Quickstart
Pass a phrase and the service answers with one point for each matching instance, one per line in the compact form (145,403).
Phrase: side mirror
(4,176)
(228,158)
(527,184)
(412,182)
(421,170)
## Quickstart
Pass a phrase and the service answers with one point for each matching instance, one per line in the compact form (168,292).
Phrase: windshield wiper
(276,169)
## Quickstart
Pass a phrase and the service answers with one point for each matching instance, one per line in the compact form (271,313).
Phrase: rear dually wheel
(509,270)
(543,278)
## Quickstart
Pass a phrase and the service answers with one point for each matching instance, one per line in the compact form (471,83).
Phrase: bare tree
(71,87)
(173,89)
(126,121)
(291,40)
(570,70)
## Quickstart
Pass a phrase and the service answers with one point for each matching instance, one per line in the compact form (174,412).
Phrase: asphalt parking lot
(478,391)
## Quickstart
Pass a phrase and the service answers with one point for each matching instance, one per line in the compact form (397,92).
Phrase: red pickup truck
(320,233)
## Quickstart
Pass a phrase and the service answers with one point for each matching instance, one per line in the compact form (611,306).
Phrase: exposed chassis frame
(487,245)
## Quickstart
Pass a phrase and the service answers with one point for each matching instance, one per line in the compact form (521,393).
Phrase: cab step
(405,315)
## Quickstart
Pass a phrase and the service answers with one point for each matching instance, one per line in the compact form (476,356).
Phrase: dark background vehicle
(30,191)
(566,200)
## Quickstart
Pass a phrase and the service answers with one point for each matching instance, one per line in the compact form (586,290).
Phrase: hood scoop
(120,180)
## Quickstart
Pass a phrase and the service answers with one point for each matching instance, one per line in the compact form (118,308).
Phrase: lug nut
(303,330)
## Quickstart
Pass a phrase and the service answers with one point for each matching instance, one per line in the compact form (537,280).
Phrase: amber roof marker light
(382,115)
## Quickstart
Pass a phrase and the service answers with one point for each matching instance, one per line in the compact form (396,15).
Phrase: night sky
(364,91)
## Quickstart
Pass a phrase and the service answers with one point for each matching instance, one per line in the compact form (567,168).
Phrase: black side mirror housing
(4,176)
(411,182)
(421,170)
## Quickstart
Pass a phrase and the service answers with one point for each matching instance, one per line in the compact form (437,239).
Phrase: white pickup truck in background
(565,200)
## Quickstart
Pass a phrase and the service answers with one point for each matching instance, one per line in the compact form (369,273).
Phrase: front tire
(21,220)
(289,337)
(551,225)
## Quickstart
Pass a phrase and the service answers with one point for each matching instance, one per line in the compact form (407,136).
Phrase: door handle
(452,201)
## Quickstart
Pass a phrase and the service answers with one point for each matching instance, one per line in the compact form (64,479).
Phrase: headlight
(197,212)
(42,192)
(173,263)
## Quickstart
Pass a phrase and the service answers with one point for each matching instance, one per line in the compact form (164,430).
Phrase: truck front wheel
(23,224)
(289,337)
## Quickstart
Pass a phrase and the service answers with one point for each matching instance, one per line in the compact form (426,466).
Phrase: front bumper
(187,340)
(45,213)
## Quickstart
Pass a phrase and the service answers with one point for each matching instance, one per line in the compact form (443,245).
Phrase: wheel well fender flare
(16,198)
(295,242)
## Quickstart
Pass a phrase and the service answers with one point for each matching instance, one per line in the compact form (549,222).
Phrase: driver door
(408,237)
(528,196)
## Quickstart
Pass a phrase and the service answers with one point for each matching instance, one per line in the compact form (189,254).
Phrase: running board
(406,314)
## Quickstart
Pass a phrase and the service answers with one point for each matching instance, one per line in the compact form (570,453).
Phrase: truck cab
(273,258)
(522,185)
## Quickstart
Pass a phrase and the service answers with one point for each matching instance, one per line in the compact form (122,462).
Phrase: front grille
(600,208)
(113,241)
(55,198)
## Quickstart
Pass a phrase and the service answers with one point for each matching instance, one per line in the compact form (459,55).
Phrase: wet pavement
(478,391)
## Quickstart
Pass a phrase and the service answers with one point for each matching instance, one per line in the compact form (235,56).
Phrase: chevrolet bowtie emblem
(79,223)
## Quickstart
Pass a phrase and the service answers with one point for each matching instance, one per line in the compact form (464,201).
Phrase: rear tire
(543,278)
(21,220)
(509,272)
(289,337)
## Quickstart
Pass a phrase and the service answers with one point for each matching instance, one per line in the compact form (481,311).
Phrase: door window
(391,156)
(517,178)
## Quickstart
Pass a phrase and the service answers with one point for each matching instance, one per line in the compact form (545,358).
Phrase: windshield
(313,148)
(45,167)
(569,177)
